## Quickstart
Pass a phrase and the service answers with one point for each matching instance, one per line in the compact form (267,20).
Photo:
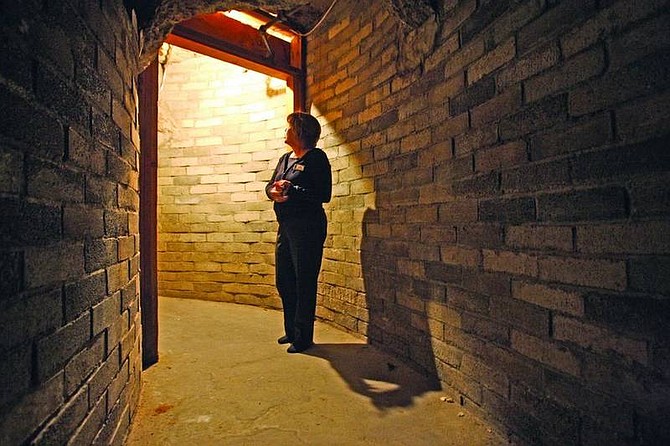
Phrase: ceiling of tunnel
(156,18)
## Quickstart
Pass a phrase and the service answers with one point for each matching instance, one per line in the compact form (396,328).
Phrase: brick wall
(221,134)
(69,307)
(501,206)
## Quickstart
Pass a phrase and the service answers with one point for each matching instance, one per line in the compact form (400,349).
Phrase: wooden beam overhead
(224,38)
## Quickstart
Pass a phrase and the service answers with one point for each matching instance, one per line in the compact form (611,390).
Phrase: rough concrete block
(650,197)
(644,316)
(641,78)
(553,23)
(12,59)
(552,298)
(11,268)
(443,272)
(486,328)
(484,16)
(453,168)
(60,428)
(34,315)
(511,210)
(61,96)
(118,169)
(11,171)
(623,161)
(27,223)
(644,118)
(104,374)
(117,276)
(592,132)
(447,354)
(481,185)
(126,247)
(475,139)
(529,65)
(83,363)
(582,67)
(501,105)
(116,223)
(15,373)
(92,424)
(469,387)
(530,318)
(128,198)
(104,130)
(81,222)
(559,424)
(590,204)
(488,235)
(84,293)
(597,273)
(82,152)
(53,264)
(539,115)
(459,211)
(467,300)
(539,237)
(100,253)
(34,408)
(491,61)
(88,79)
(55,350)
(27,125)
(460,59)
(491,378)
(109,71)
(636,43)
(456,255)
(54,182)
(510,262)
(474,94)
(650,274)
(634,238)
(599,339)
(546,352)
(501,157)
(606,22)
(101,191)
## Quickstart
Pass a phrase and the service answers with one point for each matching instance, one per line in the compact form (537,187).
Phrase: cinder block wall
(69,309)
(221,132)
(501,206)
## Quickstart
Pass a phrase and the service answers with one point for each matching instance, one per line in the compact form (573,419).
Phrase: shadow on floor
(222,379)
(369,373)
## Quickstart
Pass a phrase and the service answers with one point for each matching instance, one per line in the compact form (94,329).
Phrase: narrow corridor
(223,380)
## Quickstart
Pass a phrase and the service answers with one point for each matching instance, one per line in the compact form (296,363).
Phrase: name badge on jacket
(299,167)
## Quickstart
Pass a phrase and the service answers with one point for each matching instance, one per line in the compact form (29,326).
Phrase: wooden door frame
(148,121)
(237,45)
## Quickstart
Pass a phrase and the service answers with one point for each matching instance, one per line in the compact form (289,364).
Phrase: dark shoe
(284,340)
(298,348)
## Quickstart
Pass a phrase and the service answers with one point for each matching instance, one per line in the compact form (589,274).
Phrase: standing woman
(300,184)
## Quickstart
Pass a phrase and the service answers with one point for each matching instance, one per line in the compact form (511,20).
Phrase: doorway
(220,133)
(277,59)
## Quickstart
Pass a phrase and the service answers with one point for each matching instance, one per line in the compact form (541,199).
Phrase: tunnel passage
(501,204)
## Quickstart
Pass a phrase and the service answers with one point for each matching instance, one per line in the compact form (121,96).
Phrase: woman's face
(291,137)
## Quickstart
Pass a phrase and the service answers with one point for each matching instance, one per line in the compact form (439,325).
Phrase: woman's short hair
(306,127)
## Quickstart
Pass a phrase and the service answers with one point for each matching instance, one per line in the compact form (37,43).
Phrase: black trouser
(297,264)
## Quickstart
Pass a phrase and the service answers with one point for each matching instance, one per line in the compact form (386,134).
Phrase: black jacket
(311,180)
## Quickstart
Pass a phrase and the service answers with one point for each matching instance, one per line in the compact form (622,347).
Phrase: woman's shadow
(367,371)
(404,365)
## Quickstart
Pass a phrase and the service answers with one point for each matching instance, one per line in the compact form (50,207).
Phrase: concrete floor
(223,380)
